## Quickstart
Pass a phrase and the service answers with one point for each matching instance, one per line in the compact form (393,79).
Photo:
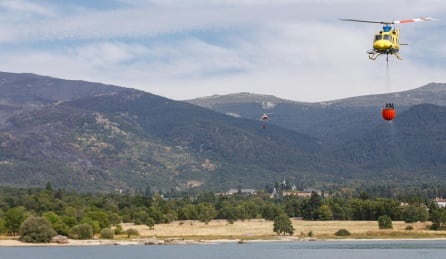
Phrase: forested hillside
(93,137)
(410,149)
(128,139)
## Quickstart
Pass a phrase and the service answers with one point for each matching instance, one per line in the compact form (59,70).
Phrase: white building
(441,203)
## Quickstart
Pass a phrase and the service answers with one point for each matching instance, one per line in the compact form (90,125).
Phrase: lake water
(283,250)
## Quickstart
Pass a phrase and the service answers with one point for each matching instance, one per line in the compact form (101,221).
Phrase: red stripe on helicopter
(414,20)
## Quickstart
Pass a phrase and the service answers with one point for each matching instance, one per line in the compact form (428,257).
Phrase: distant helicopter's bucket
(388,114)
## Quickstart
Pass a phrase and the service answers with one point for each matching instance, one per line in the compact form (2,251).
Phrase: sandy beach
(217,231)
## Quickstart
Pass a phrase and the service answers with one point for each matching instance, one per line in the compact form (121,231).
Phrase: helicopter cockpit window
(387,37)
(378,37)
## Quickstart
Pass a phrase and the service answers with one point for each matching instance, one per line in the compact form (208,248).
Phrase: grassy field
(260,229)
(193,232)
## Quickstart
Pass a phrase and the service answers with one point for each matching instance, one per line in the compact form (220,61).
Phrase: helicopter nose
(382,44)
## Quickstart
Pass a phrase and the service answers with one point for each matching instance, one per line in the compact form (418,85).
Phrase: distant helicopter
(387,41)
(264,119)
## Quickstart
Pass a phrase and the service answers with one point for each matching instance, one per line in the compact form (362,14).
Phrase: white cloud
(293,49)
(109,53)
(25,7)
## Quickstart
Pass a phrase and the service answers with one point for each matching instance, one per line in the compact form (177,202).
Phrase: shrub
(409,227)
(118,229)
(132,232)
(94,224)
(107,233)
(384,222)
(81,231)
(342,232)
(36,230)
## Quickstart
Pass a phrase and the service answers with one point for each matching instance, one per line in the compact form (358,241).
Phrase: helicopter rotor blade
(425,19)
(355,20)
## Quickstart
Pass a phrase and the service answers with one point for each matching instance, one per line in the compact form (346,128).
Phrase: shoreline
(142,242)
(249,231)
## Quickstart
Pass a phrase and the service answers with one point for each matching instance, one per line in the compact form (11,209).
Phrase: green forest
(84,215)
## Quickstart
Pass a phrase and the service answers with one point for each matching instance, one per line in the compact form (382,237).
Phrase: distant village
(280,190)
(275,194)
(283,191)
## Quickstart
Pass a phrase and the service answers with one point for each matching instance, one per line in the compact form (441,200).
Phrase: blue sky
(293,49)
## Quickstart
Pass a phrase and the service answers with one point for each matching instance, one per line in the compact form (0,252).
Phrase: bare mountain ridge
(433,93)
(30,89)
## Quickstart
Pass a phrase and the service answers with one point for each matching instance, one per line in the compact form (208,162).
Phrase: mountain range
(95,137)
(332,121)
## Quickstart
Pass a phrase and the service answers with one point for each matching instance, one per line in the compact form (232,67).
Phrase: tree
(270,211)
(150,222)
(188,212)
(364,195)
(384,222)
(118,229)
(339,208)
(414,213)
(311,206)
(101,217)
(228,212)
(48,187)
(282,224)
(14,217)
(206,212)
(115,218)
(293,207)
(438,218)
(81,231)
(140,216)
(2,226)
(57,223)
(36,230)
(94,224)
(251,208)
(324,213)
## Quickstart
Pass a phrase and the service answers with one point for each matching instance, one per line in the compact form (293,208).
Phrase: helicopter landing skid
(373,55)
(397,55)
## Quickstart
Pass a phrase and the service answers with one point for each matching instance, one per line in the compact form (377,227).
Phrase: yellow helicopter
(387,40)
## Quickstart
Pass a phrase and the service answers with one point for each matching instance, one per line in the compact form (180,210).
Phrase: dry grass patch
(262,229)
(215,228)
